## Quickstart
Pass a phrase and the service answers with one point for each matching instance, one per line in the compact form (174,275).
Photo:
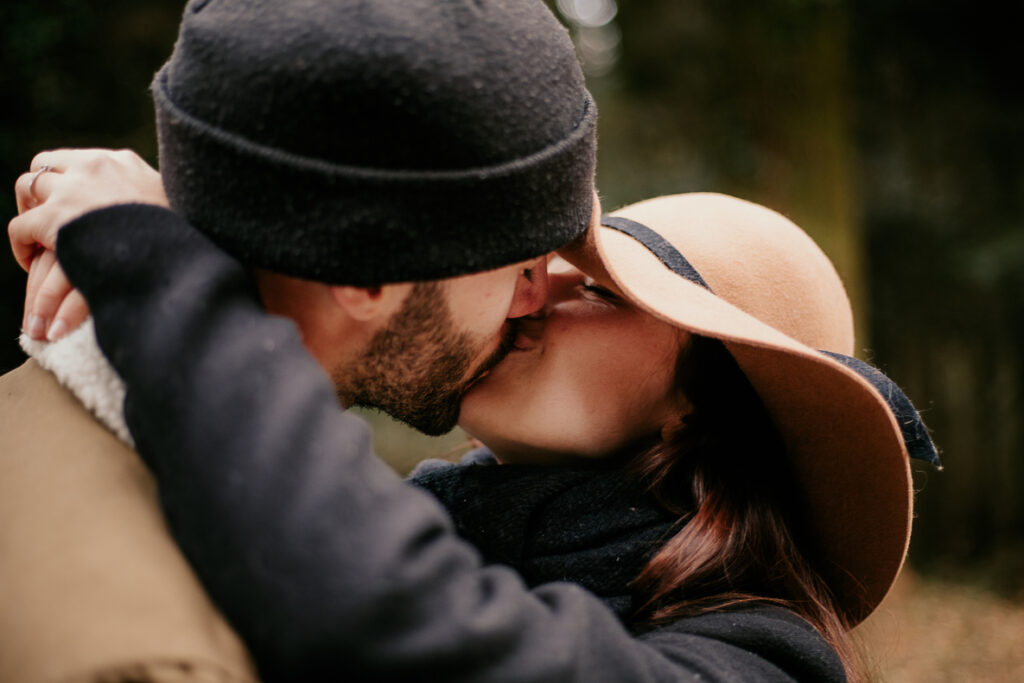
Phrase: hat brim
(843,441)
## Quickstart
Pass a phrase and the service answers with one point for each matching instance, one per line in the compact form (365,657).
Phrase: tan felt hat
(732,270)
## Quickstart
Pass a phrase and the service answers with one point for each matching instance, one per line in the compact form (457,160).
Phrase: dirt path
(936,632)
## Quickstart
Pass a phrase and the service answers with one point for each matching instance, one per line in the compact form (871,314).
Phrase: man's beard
(415,369)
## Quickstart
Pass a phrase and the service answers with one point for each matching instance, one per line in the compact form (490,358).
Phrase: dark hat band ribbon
(915,435)
(658,246)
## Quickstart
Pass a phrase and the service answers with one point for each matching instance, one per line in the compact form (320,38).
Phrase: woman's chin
(473,417)
(508,449)
(489,434)
(487,400)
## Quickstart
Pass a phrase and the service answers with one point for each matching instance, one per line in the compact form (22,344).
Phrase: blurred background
(891,130)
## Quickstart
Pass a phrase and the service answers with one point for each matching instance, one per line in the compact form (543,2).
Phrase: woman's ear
(366,304)
(676,422)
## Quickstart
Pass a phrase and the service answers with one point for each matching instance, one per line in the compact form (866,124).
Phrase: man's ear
(367,304)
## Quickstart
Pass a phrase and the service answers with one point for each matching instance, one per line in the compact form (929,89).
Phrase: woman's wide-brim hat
(725,268)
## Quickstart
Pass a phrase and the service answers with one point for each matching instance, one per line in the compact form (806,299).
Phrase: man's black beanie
(370,141)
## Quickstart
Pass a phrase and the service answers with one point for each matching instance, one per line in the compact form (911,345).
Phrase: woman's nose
(531,289)
(561,286)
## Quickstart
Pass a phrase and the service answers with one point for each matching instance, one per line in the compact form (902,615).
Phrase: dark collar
(591,525)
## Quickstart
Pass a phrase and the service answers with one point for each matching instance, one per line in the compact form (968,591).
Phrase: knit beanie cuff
(357,225)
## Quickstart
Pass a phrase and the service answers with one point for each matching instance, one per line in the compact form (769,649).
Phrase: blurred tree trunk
(943,152)
(753,101)
(808,159)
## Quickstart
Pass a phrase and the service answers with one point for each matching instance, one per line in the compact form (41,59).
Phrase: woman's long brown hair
(722,469)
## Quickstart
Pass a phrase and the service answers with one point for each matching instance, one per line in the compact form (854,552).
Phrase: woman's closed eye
(593,290)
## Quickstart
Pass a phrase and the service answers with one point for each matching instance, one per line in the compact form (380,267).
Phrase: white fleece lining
(79,365)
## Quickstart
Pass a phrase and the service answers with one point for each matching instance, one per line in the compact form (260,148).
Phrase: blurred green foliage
(892,130)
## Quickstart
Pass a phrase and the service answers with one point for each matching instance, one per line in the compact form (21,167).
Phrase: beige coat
(92,588)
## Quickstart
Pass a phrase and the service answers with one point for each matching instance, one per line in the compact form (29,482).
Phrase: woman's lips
(528,334)
(523,342)
(528,337)
(476,380)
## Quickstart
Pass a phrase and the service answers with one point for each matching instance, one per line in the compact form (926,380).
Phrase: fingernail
(36,327)
(57,330)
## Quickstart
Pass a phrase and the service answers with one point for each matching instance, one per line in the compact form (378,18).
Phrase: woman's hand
(60,186)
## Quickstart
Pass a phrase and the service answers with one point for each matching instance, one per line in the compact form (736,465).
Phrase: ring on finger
(35,176)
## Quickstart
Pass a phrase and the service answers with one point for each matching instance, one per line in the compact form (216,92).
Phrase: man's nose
(531,289)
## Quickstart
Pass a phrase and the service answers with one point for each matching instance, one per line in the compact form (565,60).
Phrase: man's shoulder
(83,542)
(39,415)
(23,379)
